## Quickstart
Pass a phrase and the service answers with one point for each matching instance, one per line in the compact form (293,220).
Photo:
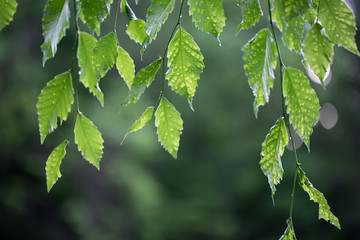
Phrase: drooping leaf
(89,140)
(339,24)
(53,164)
(142,80)
(318,51)
(260,61)
(318,197)
(294,8)
(293,34)
(276,12)
(125,66)
(302,103)
(185,64)
(54,102)
(169,126)
(93,12)
(136,30)
(289,233)
(141,122)
(251,12)
(7,11)
(208,15)
(272,150)
(88,76)
(54,24)
(311,15)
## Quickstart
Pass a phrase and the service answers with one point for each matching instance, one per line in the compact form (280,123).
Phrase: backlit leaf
(169,126)
(125,66)
(54,24)
(53,164)
(250,11)
(93,12)
(339,24)
(318,197)
(294,8)
(260,61)
(7,11)
(208,15)
(136,30)
(318,51)
(89,140)
(293,34)
(185,64)
(289,233)
(276,12)
(54,102)
(272,150)
(302,103)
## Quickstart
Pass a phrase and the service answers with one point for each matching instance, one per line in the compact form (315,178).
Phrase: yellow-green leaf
(54,102)
(53,164)
(294,8)
(93,12)
(276,12)
(293,34)
(250,11)
(136,30)
(125,66)
(289,233)
(7,11)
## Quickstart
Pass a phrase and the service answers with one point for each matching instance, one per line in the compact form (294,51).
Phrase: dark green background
(214,190)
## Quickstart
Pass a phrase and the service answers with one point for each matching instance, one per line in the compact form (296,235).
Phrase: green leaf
(293,34)
(169,126)
(276,12)
(125,66)
(7,11)
(142,80)
(302,103)
(53,164)
(260,61)
(294,8)
(289,233)
(93,12)
(136,30)
(272,150)
(318,197)
(185,64)
(88,76)
(318,51)
(104,55)
(208,15)
(141,122)
(311,15)
(54,102)
(339,24)
(54,24)
(89,140)
(251,12)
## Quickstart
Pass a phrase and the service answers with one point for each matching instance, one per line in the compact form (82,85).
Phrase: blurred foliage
(214,190)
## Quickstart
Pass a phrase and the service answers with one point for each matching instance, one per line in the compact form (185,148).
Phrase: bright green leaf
(185,64)
(54,102)
(250,11)
(318,51)
(88,76)
(169,126)
(89,140)
(93,12)
(339,24)
(208,15)
(54,23)
(7,11)
(53,164)
(272,150)
(294,8)
(276,12)
(318,197)
(136,30)
(125,66)
(141,122)
(311,15)
(142,80)
(260,61)
(289,233)
(302,103)
(293,33)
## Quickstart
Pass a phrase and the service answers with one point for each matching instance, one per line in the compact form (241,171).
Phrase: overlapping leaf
(125,66)
(53,164)
(185,64)
(318,197)
(54,102)
(208,15)
(260,61)
(7,11)
(142,80)
(318,51)
(294,8)
(302,103)
(89,140)
(338,22)
(276,12)
(293,33)
(54,23)
(289,233)
(93,12)
(250,11)
(169,126)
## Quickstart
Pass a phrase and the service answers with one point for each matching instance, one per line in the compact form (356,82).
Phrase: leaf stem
(116,15)
(73,60)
